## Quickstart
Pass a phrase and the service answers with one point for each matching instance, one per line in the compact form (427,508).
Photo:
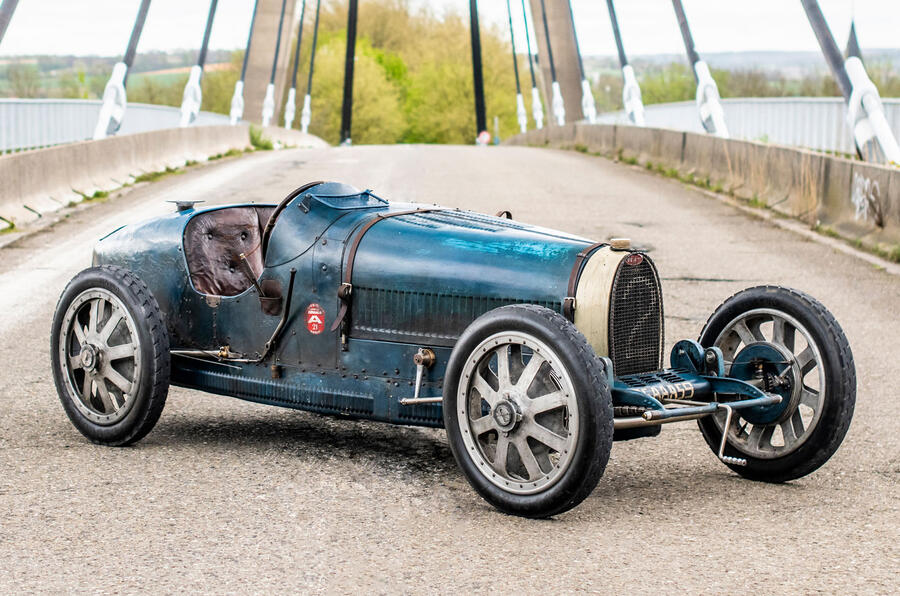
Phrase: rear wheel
(528,411)
(110,355)
(785,342)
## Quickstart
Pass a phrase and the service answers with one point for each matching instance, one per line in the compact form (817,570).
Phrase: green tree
(377,115)
(218,85)
(24,80)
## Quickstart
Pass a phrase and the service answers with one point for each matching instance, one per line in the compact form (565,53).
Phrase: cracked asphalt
(231,497)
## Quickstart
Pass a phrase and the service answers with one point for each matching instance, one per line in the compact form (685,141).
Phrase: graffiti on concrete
(866,198)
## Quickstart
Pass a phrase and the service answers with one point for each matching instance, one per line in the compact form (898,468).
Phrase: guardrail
(34,183)
(860,201)
(36,123)
(810,122)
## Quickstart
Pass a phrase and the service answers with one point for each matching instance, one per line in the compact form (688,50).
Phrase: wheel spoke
(110,403)
(806,360)
(94,318)
(484,389)
(501,454)
(75,362)
(119,352)
(528,459)
(117,379)
(110,326)
(744,333)
(503,368)
(481,425)
(783,333)
(760,436)
(530,372)
(787,431)
(86,389)
(797,423)
(809,398)
(551,401)
(79,332)
(546,436)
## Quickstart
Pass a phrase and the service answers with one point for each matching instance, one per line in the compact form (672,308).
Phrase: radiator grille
(636,318)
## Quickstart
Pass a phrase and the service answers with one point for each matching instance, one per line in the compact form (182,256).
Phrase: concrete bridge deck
(229,496)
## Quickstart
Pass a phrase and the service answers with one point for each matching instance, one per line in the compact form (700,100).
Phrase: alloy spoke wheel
(519,412)
(804,375)
(99,352)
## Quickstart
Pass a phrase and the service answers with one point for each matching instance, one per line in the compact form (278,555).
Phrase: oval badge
(634,258)
(315,319)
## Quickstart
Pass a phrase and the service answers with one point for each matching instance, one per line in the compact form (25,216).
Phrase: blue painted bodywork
(418,280)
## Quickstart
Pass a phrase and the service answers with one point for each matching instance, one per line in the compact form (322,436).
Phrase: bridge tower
(565,54)
(262,49)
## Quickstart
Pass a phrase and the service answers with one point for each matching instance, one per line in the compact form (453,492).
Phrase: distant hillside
(787,64)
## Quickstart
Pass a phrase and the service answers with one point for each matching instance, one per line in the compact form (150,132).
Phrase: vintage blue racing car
(533,348)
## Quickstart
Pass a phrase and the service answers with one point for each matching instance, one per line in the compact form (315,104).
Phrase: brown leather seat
(213,243)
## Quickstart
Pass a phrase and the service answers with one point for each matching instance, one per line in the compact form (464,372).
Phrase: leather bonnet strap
(569,301)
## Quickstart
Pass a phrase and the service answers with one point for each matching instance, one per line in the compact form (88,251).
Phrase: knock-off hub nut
(90,357)
(506,415)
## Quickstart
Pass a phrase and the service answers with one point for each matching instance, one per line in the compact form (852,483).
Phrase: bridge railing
(856,200)
(811,122)
(36,123)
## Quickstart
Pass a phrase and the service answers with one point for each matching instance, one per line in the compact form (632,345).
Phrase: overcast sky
(648,26)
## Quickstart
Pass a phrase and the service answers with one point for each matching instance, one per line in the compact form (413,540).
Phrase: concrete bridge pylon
(262,51)
(565,55)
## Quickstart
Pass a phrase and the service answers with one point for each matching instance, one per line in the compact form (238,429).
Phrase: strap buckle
(344,291)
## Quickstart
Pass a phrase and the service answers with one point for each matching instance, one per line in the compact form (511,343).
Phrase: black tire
(839,373)
(586,374)
(147,368)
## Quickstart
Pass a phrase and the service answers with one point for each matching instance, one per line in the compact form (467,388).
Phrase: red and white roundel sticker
(315,319)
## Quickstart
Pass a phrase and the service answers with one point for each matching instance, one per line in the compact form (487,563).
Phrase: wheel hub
(90,357)
(769,366)
(507,414)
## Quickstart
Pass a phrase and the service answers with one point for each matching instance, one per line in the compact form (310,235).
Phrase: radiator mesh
(636,319)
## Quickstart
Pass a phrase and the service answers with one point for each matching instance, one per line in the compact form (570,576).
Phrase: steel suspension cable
(588,108)
(512,37)
(7,8)
(290,107)
(620,47)
(112,111)
(306,113)
(477,73)
(136,31)
(712,116)
(268,108)
(631,91)
(521,114)
(537,110)
(193,95)
(237,100)
(297,49)
(557,104)
(349,60)
(872,133)
(249,41)
(549,45)
(201,58)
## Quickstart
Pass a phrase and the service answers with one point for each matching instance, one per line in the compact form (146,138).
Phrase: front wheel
(787,343)
(528,411)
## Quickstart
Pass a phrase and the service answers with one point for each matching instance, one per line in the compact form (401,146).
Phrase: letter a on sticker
(315,319)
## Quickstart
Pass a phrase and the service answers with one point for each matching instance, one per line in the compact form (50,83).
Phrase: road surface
(229,496)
